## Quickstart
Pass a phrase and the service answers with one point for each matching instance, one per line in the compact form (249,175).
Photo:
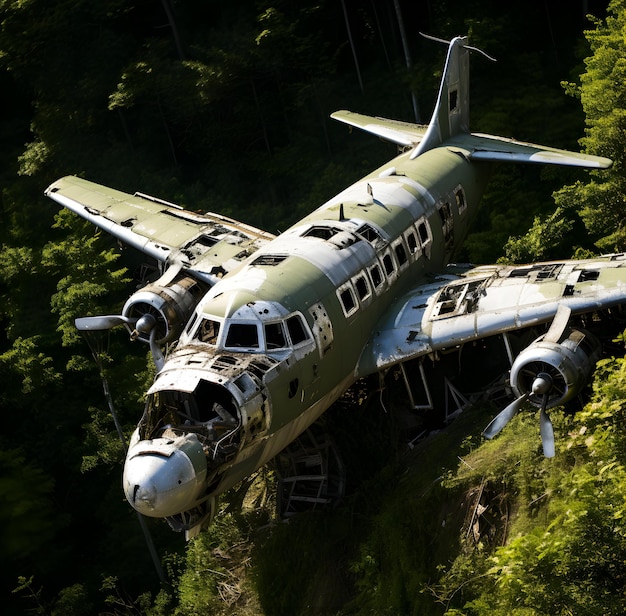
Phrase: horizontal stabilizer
(402,133)
(499,149)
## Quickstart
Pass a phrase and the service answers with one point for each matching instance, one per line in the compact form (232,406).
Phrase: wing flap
(396,131)
(484,301)
(202,243)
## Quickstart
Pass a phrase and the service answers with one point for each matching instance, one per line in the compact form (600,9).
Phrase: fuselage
(275,342)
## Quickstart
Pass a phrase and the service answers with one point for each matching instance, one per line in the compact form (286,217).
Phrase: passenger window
(461,203)
(444,212)
(401,254)
(423,233)
(411,241)
(362,288)
(275,336)
(347,300)
(377,276)
(243,335)
(209,331)
(296,329)
(388,264)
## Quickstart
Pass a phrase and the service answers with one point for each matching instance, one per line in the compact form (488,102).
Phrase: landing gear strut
(311,474)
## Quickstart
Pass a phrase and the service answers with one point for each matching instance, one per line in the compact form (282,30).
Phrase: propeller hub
(145,324)
(542,384)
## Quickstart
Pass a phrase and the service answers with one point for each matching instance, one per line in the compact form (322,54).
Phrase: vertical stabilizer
(451,114)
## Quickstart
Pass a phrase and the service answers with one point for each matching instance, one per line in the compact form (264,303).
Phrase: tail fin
(450,124)
(451,114)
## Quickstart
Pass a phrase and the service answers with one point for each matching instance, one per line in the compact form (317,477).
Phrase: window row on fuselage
(413,243)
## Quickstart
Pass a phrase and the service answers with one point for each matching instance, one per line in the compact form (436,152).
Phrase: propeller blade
(157,353)
(547,432)
(503,417)
(101,322)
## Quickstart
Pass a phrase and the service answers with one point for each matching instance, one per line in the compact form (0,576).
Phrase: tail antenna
(440,40)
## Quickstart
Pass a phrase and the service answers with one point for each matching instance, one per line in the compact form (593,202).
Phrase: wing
(500,149)
(402,133)
(460,307)
(205,244)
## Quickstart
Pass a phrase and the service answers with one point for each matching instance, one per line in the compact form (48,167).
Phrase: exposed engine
(569,363)
(170,300)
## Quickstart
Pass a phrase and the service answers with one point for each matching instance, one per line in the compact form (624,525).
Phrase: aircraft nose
(163,477)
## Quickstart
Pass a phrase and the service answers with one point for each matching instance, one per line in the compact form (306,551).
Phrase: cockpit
(257,327)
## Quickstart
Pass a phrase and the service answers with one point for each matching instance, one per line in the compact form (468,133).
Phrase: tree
(601,202)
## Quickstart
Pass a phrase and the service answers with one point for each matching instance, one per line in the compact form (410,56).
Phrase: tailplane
(449,125)
(451,114)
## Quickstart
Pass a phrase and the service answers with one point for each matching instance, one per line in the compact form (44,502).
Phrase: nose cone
(163,477)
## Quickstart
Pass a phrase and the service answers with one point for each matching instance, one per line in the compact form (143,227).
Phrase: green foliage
(26,588)
(602,90)
(73,601)
(91,277)
(301,567)
(24,363)
(26,519)
(567,539)
(103,442)
(546,238)
(214,579)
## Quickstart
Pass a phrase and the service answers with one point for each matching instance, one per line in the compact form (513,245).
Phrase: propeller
(504,416)
(547,431)
(541,386)
(155,349)
(103,322)
(145,324)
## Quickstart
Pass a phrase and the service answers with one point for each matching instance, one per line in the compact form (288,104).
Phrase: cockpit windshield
(275,336)
(258,330)
(242,335)
(208,331)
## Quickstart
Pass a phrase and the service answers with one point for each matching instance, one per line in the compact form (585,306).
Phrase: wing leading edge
(456,308)
(205,244)
(500,149)
(404,134)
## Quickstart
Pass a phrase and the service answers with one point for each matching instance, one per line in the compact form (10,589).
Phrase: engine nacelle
(569,362)
(170,300)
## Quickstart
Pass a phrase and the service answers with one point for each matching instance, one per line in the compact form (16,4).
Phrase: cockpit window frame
(283,331)
(243,347)
(308,336)
(215,336)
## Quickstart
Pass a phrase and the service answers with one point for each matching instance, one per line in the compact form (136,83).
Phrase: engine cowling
(569,362)
(170,301)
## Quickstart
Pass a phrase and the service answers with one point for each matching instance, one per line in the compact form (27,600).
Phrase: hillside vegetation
(224,106)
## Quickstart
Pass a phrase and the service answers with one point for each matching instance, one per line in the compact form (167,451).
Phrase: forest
(224,107)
